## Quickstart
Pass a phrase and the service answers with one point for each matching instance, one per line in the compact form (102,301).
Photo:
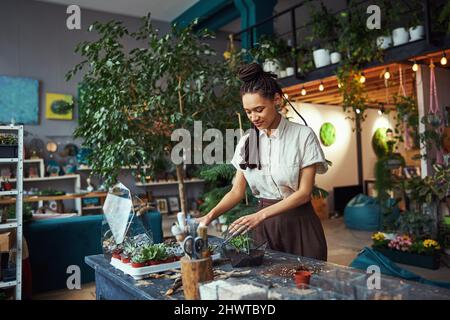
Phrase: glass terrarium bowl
(243,250)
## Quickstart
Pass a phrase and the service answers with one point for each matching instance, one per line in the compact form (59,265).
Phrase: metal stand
(16,223)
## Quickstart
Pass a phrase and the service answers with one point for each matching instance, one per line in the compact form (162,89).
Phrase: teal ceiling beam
(252,12)
(212,14)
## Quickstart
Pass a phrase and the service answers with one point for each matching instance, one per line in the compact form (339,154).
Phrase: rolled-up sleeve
(312,153)
(239,153)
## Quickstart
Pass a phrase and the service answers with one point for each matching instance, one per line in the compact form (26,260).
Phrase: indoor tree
(133,100)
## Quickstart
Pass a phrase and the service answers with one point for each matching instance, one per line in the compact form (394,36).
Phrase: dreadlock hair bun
(253,72)
(256,80)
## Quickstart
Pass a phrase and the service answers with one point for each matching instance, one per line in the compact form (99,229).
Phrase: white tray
(140,273)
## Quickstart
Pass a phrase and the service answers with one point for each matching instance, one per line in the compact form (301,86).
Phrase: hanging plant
(358,43)
(407,118)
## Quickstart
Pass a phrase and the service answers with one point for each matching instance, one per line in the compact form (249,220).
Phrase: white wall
(343,153)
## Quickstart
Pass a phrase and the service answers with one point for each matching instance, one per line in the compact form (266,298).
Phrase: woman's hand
(205,220)
(246,223)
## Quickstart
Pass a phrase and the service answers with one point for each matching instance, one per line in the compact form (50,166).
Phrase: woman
(279,160)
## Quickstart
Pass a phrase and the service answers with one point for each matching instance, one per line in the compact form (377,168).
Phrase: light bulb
(358,111)
(321,87)
(286,96)
(387,75)
(362,79)
(380,112)
(415,66)
(443,60)
(303,92)
(339,85)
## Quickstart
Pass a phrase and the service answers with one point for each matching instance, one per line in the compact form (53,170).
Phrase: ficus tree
(131,101)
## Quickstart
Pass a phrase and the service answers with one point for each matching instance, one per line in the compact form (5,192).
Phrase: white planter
(335,57)
(290,71)
(321,57)
(400,36)
(282,74)
(384,42)
(271,66)
(416,33)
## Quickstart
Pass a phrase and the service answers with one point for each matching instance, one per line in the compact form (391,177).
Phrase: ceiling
(375,85)
(166,10)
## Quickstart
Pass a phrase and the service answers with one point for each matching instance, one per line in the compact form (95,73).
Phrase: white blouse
(289,148)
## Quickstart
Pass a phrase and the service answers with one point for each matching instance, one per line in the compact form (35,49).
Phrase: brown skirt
(297,231)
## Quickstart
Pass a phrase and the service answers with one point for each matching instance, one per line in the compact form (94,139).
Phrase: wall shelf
(8,225)
(165,183)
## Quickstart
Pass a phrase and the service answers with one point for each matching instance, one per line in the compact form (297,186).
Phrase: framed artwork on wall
(19,100)
(174,203)
(59,106)
(161,205)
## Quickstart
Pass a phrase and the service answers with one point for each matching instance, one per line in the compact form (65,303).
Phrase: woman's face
(260,111)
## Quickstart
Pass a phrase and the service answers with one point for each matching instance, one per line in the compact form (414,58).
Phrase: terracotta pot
(302,278)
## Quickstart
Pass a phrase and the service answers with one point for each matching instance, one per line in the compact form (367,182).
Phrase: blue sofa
(55,244)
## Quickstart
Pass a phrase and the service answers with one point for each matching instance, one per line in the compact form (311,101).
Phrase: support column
(252,12)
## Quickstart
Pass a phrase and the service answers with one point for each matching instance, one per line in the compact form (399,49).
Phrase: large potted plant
(136,98)
(8,146)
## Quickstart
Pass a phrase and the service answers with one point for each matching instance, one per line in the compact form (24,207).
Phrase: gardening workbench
(334,281)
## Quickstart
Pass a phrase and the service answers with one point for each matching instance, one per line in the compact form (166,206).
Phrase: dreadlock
(256,80)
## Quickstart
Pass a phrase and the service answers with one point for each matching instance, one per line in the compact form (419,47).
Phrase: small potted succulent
(8,146)
(138,260)
(243,252)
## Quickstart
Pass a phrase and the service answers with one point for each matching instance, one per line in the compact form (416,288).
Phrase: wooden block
(6,241)
(194,272)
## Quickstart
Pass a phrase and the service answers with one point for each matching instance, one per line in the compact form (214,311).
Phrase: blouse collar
(276,133)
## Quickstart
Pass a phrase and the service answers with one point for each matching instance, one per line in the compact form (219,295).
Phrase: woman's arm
(232,198)
(299,197)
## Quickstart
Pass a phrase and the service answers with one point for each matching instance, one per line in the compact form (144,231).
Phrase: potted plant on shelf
(8,146)
(415,27)
(324,26)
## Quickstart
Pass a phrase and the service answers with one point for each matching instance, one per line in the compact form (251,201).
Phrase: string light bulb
(358,111)
(303,92)
(339,85)
(387,74)
(362,79)
(443,59)
(415,66)
(321,87)
(286,96)
(381,109)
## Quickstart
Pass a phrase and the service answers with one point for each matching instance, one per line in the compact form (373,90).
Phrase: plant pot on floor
(419,260)
(384,42)
(335,57)
(400,36)
(321,58)
(8,151)
(416,33)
